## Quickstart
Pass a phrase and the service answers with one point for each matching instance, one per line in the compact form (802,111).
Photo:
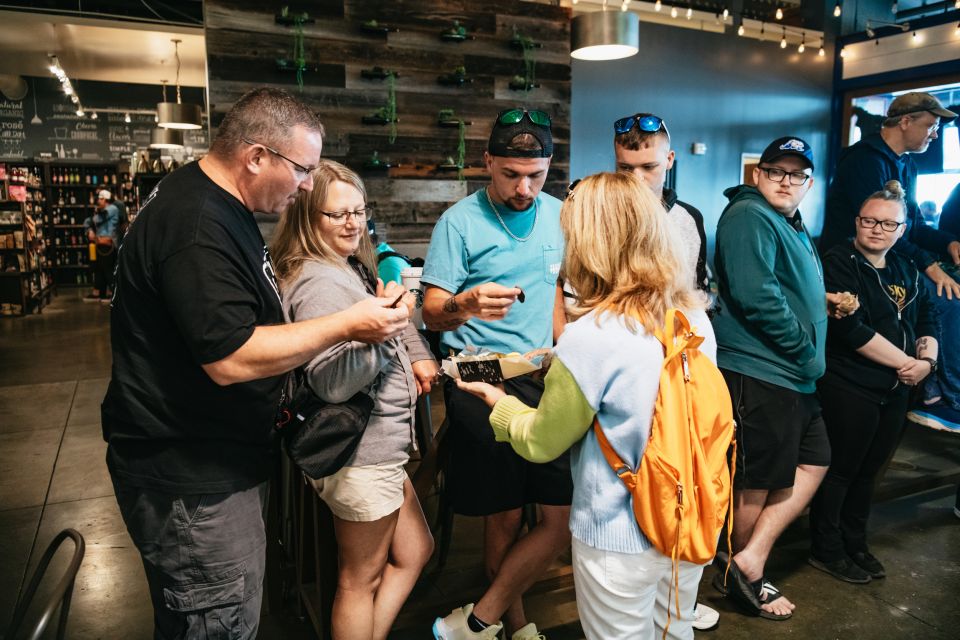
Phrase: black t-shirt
(194,279)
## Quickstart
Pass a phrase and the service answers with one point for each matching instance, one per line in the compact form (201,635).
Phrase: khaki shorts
(363,494)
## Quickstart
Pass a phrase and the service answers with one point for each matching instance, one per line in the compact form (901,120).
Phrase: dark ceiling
(180,12)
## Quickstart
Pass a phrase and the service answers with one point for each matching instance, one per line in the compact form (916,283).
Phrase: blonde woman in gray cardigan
(325,263)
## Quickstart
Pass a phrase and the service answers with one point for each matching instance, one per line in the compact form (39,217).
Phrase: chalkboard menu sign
(45,123)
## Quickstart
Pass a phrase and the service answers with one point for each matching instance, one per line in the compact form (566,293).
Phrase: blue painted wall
(734,94)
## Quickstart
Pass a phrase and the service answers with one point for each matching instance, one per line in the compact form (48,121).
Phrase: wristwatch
(933,363)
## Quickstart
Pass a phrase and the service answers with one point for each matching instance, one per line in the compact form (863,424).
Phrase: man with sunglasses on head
(770,324)
(200,352)
(490,273)
(641,145)
(863,168)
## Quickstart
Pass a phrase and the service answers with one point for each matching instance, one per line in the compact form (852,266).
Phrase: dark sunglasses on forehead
(513,116)
(650,124)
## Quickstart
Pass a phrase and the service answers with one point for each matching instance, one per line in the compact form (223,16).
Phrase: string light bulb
(821,53)
(673,12)
(726,13)
(783,40)
(763,31)
(836,9)
(741,30)
(803,43)
(93,116)
(779,14)
(80,113)
(658,6)
(843,52)
(126,118)
(689,13)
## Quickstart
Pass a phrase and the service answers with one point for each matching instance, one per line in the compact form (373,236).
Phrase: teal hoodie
(771,320)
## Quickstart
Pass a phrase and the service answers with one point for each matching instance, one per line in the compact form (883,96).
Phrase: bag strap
(618,466)
(392,254)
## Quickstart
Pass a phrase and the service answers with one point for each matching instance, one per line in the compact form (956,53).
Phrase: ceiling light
(659,5)
(673,12)
(80,113)
(836,10)
(604,35)
(741,30)
(779,14)
(126,118)
(783,40)
(821,53)
(93,116)
(803,43)
(166,138)
(689,12)
(179,115)
(726,13)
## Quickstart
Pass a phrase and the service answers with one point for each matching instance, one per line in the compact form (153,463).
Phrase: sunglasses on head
(650,124)
(513,116)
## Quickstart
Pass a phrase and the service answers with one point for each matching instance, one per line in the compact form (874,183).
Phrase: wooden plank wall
(244,41)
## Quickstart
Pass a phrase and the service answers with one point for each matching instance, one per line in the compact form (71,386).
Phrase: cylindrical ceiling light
(166,139)
(605,35)
(177,115)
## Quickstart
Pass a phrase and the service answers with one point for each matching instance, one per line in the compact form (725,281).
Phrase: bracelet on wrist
(931,361)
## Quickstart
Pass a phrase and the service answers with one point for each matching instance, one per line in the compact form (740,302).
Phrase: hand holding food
(842,304)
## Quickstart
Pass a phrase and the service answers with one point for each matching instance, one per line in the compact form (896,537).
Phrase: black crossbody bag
(320,437)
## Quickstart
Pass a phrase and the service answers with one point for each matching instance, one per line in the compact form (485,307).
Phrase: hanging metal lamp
(178,115)
(166,138)
(605,35)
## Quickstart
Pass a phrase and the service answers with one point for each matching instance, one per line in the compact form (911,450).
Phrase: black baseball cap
(788,146)
(514,122)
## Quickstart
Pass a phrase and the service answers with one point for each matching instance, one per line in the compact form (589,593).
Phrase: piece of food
(848,302)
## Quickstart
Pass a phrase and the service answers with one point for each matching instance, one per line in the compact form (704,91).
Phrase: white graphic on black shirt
(268,271)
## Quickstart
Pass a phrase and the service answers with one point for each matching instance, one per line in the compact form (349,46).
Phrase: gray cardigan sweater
(381,370)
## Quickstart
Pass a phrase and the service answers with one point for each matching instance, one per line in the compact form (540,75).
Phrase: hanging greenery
(299,55)
(390,108)
(526,46)
(461,150)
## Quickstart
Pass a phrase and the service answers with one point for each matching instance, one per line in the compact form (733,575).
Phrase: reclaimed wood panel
(244,42)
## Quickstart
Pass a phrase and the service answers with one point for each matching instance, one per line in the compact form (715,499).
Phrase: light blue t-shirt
(469,247)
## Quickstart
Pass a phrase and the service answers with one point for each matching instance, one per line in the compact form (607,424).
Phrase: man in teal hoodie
(770,325)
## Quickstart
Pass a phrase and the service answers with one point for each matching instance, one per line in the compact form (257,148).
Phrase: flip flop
(742,591)
(767,594)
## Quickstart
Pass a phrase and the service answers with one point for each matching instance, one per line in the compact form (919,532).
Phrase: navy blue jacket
(863,169)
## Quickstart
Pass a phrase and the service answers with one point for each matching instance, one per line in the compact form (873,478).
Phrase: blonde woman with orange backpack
(650,491)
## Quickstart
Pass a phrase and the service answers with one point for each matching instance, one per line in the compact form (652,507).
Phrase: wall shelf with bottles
(27,282)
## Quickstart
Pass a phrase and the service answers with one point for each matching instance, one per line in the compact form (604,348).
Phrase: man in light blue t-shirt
(490,275)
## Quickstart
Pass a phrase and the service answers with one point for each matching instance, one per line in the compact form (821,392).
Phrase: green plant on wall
(461,150)
(389,110)
(527,45)
(299,56)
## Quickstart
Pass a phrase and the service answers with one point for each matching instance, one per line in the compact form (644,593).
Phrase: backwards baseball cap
(788,146)
(104,195)
(915,102)
(515,122)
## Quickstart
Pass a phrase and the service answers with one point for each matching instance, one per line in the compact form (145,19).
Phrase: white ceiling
(100,50)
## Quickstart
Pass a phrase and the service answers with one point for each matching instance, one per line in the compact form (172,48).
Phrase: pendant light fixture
(178,115)
(605,35)
(166,138)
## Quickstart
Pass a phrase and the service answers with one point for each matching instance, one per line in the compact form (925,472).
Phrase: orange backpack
(682,489)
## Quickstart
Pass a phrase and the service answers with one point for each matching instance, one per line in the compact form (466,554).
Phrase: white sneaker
(528,632)
(705,618)
(454,627)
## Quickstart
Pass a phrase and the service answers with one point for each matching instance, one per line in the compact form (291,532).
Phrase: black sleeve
(950,216)
(702,283)
(840,273)
(211,298)
(933,240)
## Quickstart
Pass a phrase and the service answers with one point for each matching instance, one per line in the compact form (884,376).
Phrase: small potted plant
(456,78)
(456,33)
(449,119)
(374,163)
(378,73)
(376,28)
(449,164)
(291,18)
(519,83)
(520,41)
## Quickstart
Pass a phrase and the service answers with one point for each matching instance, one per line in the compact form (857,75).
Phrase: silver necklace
(536,214)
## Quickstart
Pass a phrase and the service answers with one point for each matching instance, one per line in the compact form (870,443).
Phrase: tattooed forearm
(450,305)
(923,344)
(445,325)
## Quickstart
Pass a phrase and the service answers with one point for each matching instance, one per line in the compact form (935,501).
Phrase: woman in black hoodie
(874,357)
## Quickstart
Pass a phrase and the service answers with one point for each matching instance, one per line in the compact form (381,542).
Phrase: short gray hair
(264,115)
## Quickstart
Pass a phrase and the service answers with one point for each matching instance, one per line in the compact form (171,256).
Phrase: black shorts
(777,429)
(484,476)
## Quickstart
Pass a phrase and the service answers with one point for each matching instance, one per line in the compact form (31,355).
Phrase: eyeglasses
(296,165)
(886,225)
(339,218)
(774,174)
(513,116)
(648,123)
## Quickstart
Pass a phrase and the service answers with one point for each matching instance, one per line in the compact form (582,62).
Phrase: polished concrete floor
(54,370)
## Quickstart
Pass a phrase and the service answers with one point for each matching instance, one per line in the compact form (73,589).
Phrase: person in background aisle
(200,353)
(929,214)
(102,228)
(607,366)
(325,263)
(863,168)
(770,322)
(874,358)
(490,276)
(641,146)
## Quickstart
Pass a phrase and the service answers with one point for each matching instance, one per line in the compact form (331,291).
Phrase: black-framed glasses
(887,225)
(775,174)
(339,218)
(644,122)
(296,165)
(513,116)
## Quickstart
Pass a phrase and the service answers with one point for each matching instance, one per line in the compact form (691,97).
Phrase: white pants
(624,595)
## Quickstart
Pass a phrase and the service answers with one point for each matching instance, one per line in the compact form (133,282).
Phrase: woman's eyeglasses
(339,218)
(513,116)
(886,225)
(648,123)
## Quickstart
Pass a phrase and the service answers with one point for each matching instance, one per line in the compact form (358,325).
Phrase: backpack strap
(625,473)
(392,254)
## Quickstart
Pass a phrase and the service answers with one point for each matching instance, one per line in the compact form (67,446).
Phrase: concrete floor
(54,369)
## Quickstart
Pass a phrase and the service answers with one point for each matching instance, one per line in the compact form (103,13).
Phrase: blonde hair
(622,254)
(297,240)
(892,192)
